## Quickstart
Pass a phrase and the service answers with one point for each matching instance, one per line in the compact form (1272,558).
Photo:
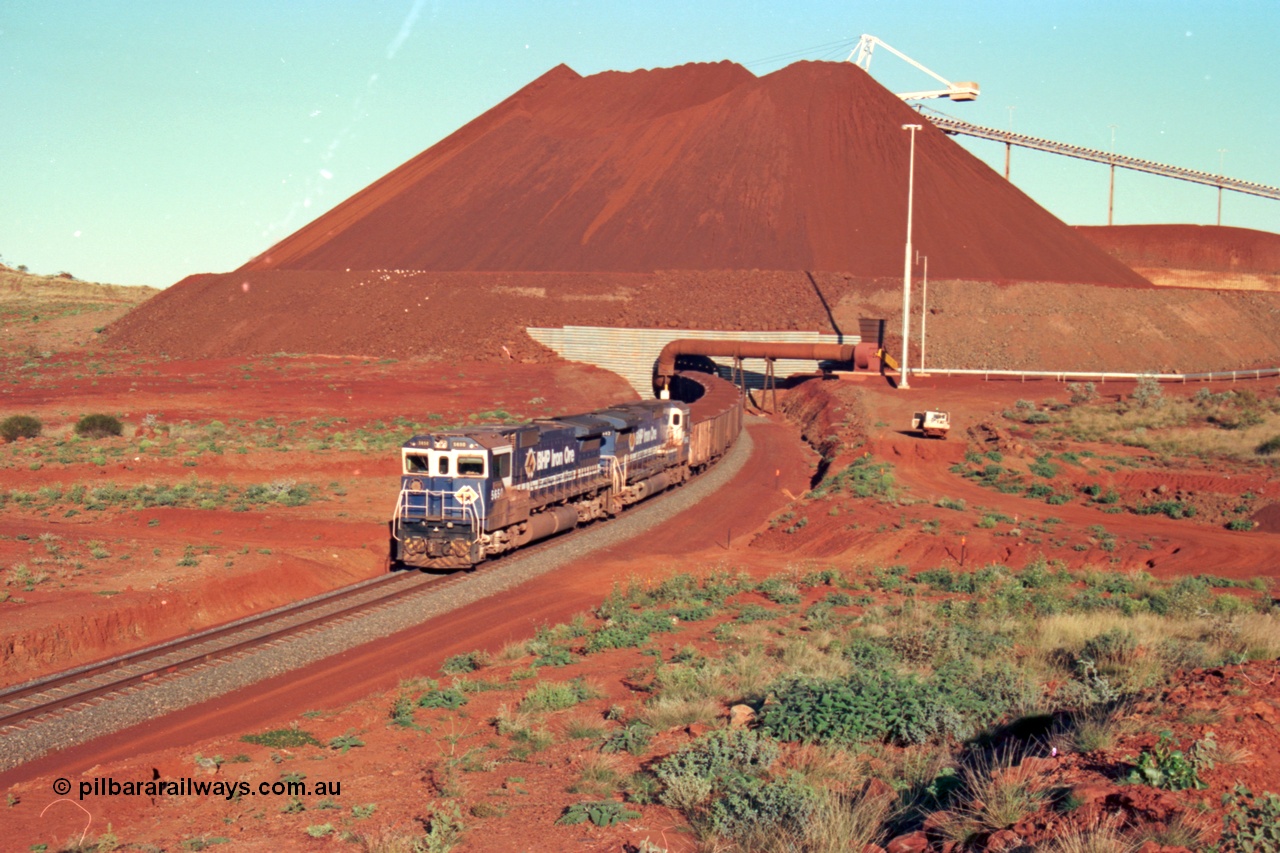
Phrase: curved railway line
(34,699)
(65,709)
(43,697)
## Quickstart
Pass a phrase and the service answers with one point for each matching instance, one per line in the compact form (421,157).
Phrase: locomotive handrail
(617,472)
(465,512)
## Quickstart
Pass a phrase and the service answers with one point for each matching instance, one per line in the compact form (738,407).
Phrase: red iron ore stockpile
(1193,247)
(695,168)
(700,196)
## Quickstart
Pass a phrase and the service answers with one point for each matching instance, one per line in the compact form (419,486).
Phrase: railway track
(42,698)
(83,686)
(59,711)
(23,703)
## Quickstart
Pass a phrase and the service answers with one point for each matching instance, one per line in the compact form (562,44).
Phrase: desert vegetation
(826,709)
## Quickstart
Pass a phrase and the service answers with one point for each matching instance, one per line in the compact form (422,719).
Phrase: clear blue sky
(144,141)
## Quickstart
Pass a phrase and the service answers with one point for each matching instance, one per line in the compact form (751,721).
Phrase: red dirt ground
(466,317)
(84,581)
(856,535)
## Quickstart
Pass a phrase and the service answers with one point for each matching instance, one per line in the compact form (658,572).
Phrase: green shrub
(1164,767)
(601,813)
(98,426)
(557,695)
(1147,393)
(402,711)
(1173,509)
(435,697)
(1252,822)
(553,655)
(752,612)
(864,478)
(692,612)
(882,705)
(282,738)
(764,810)
(1115,647)
(345,743)
(630,629)
(461,664)
(20,426)
(1185,598)
(632,738)
(1044,468)
(721,757)
(1268,447)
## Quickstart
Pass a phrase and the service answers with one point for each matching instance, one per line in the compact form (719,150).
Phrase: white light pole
(924,306)
(906,263)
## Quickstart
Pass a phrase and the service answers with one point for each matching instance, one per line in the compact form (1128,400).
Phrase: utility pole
(903,369)
(1008,146)
(1111,196)
(1222,153)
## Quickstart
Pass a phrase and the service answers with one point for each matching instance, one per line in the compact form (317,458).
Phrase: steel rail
(90,681)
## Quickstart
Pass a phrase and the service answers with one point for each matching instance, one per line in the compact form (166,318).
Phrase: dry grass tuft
(1104,836)
(1194,832)
(598,775)
(1092,729)
(667,712)
(829,767)
(841,822)
(998,792)
(802,657)
(1259,635)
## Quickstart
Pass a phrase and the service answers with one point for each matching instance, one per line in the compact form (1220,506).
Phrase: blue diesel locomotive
(472,493)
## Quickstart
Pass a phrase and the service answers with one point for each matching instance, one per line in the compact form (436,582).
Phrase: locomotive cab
(450,487)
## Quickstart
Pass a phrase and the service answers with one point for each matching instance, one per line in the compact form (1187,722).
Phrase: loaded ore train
(476,492)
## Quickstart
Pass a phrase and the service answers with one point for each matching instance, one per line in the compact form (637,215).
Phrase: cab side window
(442,466)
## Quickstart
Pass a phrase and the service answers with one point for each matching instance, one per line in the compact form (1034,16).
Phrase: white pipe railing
(1103,376)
